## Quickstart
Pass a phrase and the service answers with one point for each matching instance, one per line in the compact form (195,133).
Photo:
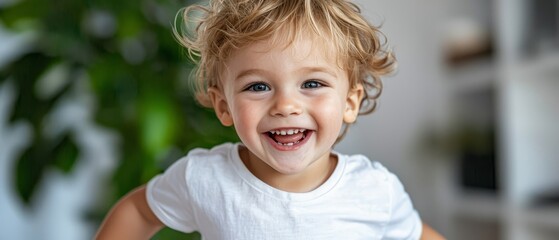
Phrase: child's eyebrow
(248,72)
(307,70)
(303,70)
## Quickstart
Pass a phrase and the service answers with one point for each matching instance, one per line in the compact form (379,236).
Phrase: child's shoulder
(198,159)
(360,166)
(222,150)
(363,162)
(202,165)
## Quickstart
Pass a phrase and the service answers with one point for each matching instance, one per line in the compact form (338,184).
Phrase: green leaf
(29,171)
(158,123)
(25,72)
(61,153)
(23,10)
(65,154)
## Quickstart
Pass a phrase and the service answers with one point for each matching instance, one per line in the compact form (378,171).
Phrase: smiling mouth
(288,137)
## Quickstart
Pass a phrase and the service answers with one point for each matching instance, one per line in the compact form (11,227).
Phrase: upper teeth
(287,132)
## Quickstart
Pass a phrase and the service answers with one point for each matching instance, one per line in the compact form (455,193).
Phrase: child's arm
(429,233)
(130,218)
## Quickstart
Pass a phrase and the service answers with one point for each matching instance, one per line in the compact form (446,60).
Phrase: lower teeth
(288,144)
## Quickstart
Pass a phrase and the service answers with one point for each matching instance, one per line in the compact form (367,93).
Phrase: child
(289,75)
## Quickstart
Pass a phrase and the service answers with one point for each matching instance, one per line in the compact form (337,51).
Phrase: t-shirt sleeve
(404,220)
(167,196)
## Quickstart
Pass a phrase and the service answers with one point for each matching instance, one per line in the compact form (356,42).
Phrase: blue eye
(258,87)
(312,84)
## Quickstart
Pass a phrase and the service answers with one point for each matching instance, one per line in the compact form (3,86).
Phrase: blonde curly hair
(211,32)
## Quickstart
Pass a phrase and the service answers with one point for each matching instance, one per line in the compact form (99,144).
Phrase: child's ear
(353,102)
(220,106)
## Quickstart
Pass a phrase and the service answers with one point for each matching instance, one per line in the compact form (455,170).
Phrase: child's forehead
(303,45)
(302,52)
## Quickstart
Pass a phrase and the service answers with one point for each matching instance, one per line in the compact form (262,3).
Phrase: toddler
(290,76)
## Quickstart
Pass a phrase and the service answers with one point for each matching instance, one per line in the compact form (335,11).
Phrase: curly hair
(211,32)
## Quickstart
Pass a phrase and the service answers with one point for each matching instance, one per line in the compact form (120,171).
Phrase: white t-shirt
(212,192)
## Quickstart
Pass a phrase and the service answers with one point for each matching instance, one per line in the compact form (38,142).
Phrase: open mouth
(288,137)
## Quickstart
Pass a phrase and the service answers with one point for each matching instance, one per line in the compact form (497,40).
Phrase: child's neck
(306,181)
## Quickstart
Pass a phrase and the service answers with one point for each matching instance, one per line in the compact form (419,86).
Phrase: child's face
(287,104)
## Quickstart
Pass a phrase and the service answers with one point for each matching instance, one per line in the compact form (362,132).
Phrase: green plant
(126,52)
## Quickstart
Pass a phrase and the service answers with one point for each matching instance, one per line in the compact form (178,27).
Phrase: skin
(269,89)
(130,218)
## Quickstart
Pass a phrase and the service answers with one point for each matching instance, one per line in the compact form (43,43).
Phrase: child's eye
(258,87)
(312,84)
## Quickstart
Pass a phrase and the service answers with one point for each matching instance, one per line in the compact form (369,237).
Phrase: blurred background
(94,101)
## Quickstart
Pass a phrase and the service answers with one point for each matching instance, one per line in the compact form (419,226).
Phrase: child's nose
(285,105)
